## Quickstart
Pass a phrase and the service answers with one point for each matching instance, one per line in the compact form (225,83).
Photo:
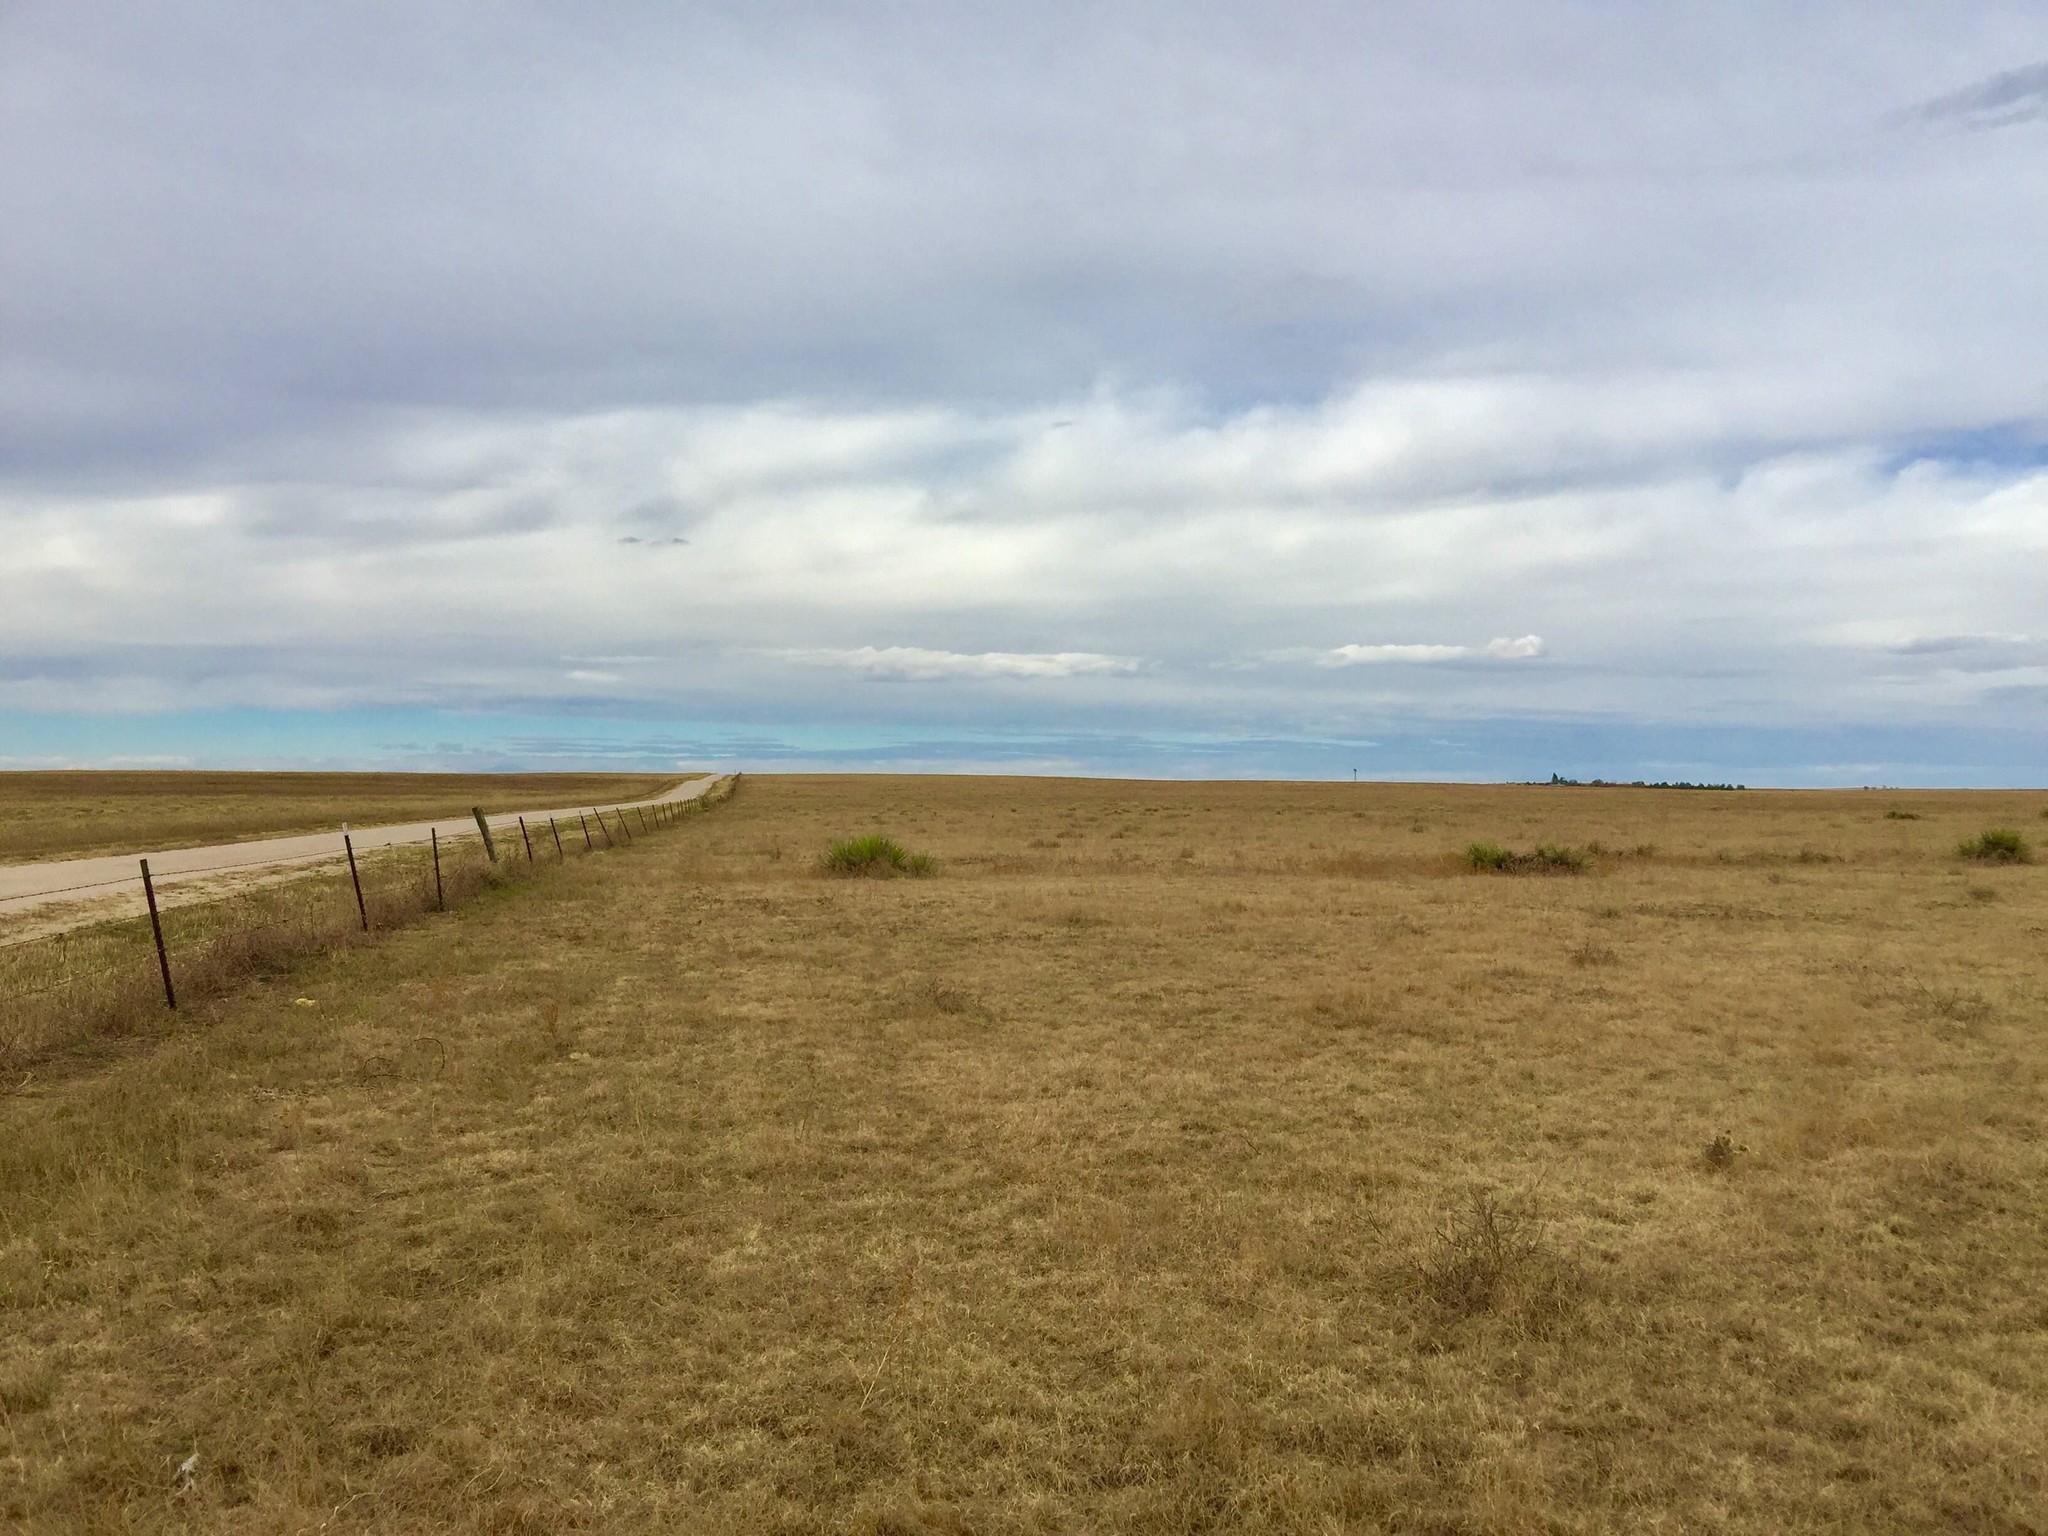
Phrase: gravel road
(90,883)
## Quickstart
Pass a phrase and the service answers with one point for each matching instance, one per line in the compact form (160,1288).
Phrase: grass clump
(876,855)
(1545,859)
(1490,1256)
(1720,1153)
(1996,845)
(1901,815)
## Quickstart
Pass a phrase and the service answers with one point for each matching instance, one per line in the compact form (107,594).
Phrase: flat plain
(1178,1157)
(69,814)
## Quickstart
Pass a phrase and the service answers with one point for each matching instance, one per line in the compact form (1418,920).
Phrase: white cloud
(917,664)
(1152,530)
(1373,655)
(1370,655)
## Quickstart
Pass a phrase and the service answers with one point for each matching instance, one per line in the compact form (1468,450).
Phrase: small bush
(1996,845)
(1901,815)
(1720,1153)
(1547,858)
(1477,1253)
(1493,1257)
(876,855)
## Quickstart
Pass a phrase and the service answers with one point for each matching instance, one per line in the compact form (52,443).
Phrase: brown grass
(1237,1163)
(61,815)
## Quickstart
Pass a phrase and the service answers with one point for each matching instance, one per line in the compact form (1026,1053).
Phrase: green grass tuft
(1996,845)
(876,855)
(1545,859)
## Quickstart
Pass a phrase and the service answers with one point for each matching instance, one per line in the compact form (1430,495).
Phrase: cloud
(350,353)
(2008,98)
(917,664)
(1362,655)
(1527,647)
(1945,645)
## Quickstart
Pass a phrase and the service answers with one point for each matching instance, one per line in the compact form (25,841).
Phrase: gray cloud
(2011,97)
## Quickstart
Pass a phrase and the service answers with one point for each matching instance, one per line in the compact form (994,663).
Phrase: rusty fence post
(362,910)
(485,827)
(558,838)
(624,830)
(585,822)
(440,896)
(156,926)
(607,831)
(643,817)
(526,840)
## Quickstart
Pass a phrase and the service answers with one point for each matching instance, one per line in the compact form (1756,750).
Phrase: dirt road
(67,891)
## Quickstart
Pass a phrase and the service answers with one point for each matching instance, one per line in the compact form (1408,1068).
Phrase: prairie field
(70,814)
(1172,1158)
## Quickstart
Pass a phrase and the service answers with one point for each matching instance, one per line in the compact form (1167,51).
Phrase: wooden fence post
(526,840)
(156,926)
(624,830)
(440,896)
(643,817)
(363,911)
(585,821)
(558,838)
(485,827)
(607,831)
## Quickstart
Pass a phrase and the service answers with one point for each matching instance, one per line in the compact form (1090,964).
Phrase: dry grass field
(1178,1157)
(61,815)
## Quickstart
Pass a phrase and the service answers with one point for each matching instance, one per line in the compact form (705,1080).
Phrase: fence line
(290,925)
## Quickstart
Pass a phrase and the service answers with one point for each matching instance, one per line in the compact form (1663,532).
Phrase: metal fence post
(585,821)
(607,831)
(558,838)
(526,840)
(361,909)
(156,926)
(440,896)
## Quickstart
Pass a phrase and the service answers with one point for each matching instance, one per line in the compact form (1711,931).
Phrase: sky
(1420,390)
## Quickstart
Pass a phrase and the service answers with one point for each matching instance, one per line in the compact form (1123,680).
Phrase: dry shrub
(1720,1153)
(1490,1256)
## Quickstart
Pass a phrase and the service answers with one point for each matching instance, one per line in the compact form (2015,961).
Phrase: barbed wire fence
(121,975)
